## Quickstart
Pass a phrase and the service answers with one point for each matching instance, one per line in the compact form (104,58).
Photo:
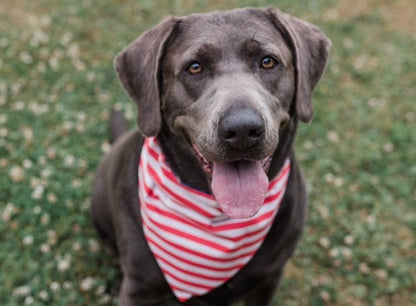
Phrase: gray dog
(205,202)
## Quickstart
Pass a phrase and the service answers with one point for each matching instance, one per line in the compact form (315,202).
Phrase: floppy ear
(310,48)
(137,67)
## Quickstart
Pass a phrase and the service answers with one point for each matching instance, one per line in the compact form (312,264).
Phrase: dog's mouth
(238,186)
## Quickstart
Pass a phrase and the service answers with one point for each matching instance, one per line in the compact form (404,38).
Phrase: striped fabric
(196,246)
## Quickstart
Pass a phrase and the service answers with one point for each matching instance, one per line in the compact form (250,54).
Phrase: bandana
(197,247)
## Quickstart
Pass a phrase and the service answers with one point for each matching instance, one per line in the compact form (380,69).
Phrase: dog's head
(230,82)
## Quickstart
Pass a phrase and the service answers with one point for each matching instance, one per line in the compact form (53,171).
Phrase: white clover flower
(45,20)
(87,284)
(66,39)
(359,62)
(323,211)
(79,65)
(4,132)
(54,63)
(51,153)
(19,105)
(21,291)
(371,219)
(73,50)
(364,268)
(3,118)
(52,237)
(67,285)
(3,162)
(16,87)
(94,245)
(38,192)
(338,182)
(27,164)
(83,164)
(324,242)
(76,246)
(43,295)
(52,198)
(410,116)
(37,210)
(90,76)
(55,286)
(325,296)
(67,126)
(381,274)
(333,137)
(81,116)
(373,102)
(29,300)
(103,97)
(80,128)
(8,211)
(349,239)
(100,290)
(64,264)
(130,114)
(27,133)
(334,252)
(346,252)
(388,147)
(45,173)
(25,57)
(41,160)
(39,37)
(28,240)
(76,183)
(69,160)
(104,299)
(348,43)
(45,219)
(105,147)
(45,248)
(329,178)
(16,174)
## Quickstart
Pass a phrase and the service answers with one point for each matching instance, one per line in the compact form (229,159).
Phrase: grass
(57,86)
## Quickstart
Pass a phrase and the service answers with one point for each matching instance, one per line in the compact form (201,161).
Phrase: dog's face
(228,90)
(230,82)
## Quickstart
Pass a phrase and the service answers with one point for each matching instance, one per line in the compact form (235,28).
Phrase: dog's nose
(242,129)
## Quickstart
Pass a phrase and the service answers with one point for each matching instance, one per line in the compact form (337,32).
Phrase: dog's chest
(196,246)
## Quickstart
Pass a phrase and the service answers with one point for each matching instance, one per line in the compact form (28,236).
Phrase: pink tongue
(239,187)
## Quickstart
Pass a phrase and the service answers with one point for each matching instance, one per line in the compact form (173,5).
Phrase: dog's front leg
(143,283)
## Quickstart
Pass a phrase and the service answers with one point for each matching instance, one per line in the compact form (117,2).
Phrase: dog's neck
(284,149)
(184,163)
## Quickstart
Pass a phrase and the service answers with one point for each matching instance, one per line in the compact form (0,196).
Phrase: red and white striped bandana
(197,247)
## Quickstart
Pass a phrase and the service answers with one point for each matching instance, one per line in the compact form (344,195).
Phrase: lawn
(57,86)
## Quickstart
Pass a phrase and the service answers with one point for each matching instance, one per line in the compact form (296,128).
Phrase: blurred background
(57,87)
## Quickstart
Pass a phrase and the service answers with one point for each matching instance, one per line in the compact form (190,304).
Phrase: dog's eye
(194,68)
(268,62)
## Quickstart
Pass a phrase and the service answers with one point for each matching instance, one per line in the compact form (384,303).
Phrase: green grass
(57,86)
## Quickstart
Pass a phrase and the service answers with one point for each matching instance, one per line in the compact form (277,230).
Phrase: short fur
(183,110)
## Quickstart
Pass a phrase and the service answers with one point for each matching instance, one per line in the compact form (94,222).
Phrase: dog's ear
(137,67)
(310,48)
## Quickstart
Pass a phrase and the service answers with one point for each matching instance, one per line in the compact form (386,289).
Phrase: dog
(205,202)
